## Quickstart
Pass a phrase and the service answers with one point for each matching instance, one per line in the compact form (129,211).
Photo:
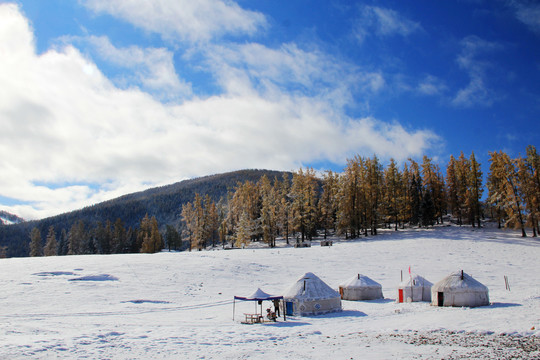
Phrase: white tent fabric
(360,287)
(414,288)
(258,295)
(309,295)
(459,289)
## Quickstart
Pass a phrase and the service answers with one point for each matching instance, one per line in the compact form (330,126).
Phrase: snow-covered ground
(179,305)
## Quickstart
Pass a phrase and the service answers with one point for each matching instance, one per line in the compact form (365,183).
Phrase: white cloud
(476,92)
(431,85)
(528,13)
(199,20)
(71,138)
(382,22)
(152,68)
(244,67)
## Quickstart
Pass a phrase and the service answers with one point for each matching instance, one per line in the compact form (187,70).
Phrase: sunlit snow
(179,305)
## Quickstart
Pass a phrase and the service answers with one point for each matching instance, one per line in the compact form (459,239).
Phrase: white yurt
(360,287)
(414,288)
(309,295)
(459,289)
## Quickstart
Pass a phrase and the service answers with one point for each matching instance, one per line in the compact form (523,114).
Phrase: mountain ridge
(7,218)
(164,202)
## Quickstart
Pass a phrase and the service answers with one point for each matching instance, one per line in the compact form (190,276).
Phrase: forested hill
(165,203)
(7,218)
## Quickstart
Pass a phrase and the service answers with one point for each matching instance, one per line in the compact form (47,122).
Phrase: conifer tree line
(107,238)
(365,197)
(368,196)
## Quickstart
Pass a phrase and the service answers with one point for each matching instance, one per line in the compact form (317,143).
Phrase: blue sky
(100,98)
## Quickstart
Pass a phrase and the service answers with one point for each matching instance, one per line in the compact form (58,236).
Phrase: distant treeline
(236,208)
(367,196)
(164,203)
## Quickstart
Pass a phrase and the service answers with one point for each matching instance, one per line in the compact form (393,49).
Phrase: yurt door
(400,295)
(440,298)
(289,308)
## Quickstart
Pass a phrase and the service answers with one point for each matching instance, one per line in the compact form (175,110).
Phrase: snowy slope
(9,219)
(179,305)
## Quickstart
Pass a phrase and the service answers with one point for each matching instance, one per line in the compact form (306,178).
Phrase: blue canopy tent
(258,296)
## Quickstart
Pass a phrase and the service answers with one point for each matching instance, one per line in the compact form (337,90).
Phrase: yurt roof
(415,280)
(309,286)
(360,281)
(454,282)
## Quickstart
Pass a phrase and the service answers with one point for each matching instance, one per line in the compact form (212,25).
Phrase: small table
(253,318)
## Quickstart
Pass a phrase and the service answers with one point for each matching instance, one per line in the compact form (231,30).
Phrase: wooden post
(506,283)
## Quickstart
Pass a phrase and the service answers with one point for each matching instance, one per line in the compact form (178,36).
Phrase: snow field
(179,305)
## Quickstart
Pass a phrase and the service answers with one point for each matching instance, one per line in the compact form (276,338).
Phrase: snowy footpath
(179,305)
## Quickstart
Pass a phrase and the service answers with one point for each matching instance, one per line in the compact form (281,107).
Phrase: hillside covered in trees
(164,203)
(237,208)
(367,196)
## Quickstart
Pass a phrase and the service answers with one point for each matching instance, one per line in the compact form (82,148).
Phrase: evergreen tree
(63,243)
(405,209)
(199,228)
(327,202)
(452,186)
(475,190)
(349,212)
(528,181)
(152,241)
(416,200)
(35,243)
(243,230)
(433,184)
(78,241)
(268,219)
(393,197)
(427,210)
(304,204)
(119,238)
(462,172)
(173,238)
(373,193)
(51,245)
(246,201)
(416,193)
(532,167)
(211,220)
(283,204)
(188,217)
(504,188)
